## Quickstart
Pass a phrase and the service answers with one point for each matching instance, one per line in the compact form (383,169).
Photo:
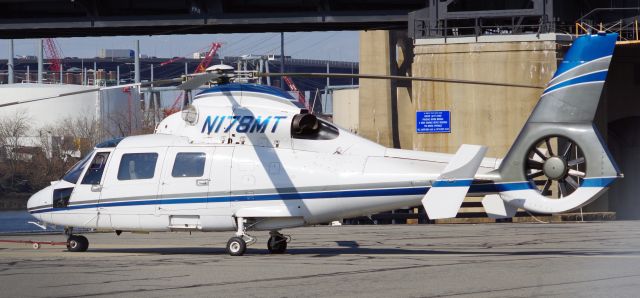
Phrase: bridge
(66,18)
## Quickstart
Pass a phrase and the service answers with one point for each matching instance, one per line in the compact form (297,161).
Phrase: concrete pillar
(40,60)
(118,75)
(10,63)
(386,53)
(375,95)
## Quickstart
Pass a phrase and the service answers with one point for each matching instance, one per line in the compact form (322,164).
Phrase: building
(499,41)
(82,115)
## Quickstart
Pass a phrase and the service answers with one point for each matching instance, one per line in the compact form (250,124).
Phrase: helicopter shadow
(365,251)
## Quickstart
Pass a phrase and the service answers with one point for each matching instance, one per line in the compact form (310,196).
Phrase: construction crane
(171,61)
(53,53)
(175,107)
(293,88)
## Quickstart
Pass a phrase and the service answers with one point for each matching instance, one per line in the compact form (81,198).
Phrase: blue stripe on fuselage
(421,190)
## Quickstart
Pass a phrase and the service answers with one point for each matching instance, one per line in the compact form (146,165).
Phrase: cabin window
(134,166)
(96,168)
(189,164)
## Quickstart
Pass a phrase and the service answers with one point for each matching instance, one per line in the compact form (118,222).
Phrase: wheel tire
(277,244)
(236,246)
(77,243)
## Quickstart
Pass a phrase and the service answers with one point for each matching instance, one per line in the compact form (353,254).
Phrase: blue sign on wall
(433,121)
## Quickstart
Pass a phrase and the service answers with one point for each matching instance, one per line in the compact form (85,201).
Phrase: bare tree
(81,133)
(13,130)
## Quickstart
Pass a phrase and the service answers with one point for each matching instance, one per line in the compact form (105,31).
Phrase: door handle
(96,187)
(202,182)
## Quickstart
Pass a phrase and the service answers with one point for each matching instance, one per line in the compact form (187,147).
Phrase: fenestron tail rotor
(556,165)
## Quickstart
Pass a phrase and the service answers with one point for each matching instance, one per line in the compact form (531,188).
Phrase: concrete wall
(346,109)
(486,115)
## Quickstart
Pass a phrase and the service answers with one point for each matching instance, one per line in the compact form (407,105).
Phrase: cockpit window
(73,174)
(96,168)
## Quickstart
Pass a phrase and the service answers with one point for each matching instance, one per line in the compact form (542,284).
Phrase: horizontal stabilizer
(445,197)
(496,208)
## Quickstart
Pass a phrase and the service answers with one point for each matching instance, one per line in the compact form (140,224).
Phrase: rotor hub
(555,168)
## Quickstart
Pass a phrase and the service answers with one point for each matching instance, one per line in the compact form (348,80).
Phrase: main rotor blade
(385,77)
(17,102)
(161,82)
(199,80)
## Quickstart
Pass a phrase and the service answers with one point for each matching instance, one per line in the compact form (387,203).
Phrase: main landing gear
(277,243)
(76,243)
(237,245)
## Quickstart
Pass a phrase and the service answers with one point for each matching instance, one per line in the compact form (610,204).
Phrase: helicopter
(246,157)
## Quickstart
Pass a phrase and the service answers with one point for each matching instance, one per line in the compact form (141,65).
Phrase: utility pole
(281,59)
(40,60)
(136,61)
(95,73)
(10,62)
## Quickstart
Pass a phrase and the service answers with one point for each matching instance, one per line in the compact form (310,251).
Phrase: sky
(331,45)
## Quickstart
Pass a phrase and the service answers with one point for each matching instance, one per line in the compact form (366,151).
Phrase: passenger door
(220,184)
(186,178)
(131,183)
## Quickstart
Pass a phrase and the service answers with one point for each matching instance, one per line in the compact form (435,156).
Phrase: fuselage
(240,156)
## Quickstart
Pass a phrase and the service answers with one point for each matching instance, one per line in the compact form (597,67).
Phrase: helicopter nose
(39,200)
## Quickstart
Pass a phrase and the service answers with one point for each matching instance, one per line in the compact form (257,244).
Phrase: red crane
(293,87)
(201,68)
(53,53)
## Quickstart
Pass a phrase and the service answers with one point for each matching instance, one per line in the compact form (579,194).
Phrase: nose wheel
(76,243)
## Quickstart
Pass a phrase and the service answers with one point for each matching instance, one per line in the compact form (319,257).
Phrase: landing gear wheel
(277,244)
(77,243)
(236,246)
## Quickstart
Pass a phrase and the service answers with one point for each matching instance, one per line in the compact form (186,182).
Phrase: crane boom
(201,68)
(53,54)
(293,87)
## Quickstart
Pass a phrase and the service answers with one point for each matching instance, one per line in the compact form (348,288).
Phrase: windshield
(74,173)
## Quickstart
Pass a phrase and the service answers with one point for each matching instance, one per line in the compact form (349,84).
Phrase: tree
(13,131)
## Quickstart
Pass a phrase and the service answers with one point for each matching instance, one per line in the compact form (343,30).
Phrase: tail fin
(559,152)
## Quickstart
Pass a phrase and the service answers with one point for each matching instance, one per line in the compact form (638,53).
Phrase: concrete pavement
(490,260)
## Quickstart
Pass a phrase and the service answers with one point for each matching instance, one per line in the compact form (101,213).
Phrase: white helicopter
(245,157)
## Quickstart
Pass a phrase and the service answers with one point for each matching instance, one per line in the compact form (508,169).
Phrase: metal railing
(482,27)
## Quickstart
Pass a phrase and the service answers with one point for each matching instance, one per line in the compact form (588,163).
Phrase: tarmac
(486,260)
